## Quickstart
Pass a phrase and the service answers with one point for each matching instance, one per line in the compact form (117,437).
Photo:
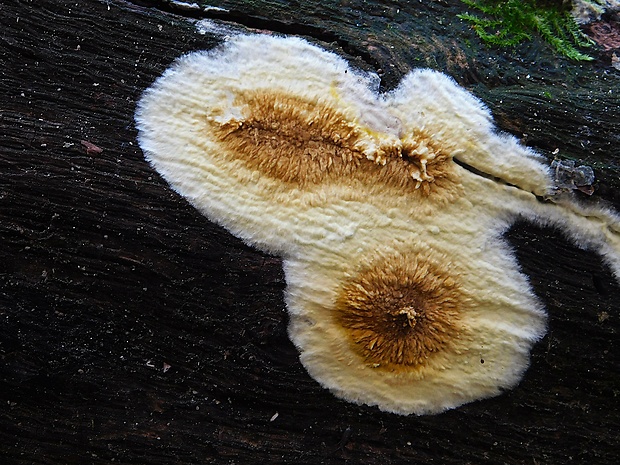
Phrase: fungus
(387,209)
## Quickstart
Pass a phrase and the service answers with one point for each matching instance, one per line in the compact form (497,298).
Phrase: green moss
(510,22)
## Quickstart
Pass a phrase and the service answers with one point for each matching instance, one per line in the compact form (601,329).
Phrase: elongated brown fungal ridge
(303,142)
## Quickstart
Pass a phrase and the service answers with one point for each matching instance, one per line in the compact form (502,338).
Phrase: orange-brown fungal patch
(398,312)
(305,143)
(290,139)
(418,163)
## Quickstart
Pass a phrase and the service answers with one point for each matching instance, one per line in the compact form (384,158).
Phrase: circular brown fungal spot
(303,142)
(398,312)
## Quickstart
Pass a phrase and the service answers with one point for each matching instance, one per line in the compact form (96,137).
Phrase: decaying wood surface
(135,331)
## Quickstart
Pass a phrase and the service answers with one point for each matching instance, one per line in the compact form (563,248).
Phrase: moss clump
(509,22)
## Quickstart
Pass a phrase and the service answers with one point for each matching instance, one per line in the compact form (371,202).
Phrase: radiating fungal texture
(400,311)
(400,289)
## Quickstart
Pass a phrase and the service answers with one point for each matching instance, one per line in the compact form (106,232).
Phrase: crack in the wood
(557,197)
(274,25)
(497,179)
(477,172)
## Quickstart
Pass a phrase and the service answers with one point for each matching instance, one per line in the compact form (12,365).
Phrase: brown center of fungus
(409,315)
(398,312)
(304,142)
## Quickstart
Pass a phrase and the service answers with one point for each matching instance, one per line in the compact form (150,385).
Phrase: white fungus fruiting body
(400,288)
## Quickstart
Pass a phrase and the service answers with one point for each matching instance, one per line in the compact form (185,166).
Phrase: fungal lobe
(303,142)
(399,312)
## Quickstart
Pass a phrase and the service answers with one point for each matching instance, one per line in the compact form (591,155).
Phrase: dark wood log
(135,331)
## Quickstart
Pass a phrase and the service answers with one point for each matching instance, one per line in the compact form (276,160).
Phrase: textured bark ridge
(135,331)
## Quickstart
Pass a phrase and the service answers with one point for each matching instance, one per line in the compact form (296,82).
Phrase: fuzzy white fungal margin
(401,290)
